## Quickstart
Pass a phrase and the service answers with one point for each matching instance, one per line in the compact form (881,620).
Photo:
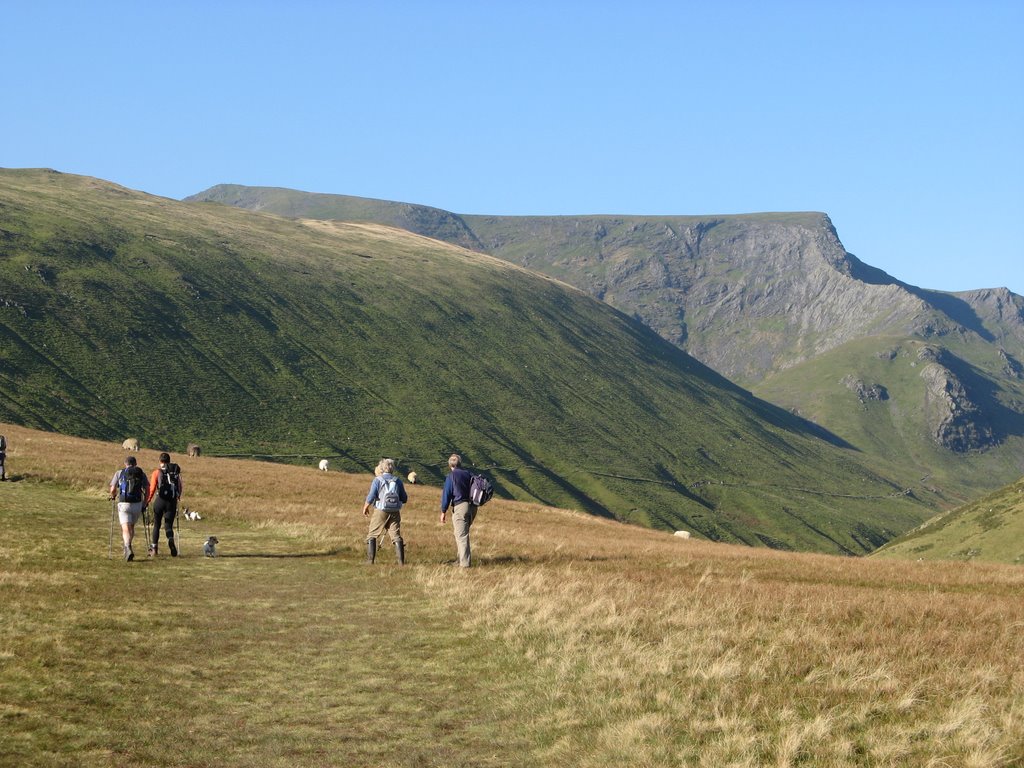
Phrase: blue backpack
(131,485)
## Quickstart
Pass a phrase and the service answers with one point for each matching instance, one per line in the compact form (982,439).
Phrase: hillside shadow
(1004,421)
(788,420)
(955,308)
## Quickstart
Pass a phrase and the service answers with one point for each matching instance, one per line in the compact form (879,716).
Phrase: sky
(902,120)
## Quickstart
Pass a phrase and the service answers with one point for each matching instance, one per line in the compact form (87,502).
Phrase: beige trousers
(463,515)
(381,521)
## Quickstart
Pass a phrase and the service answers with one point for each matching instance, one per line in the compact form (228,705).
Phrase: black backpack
(480,490)
(169,487)
(132,485)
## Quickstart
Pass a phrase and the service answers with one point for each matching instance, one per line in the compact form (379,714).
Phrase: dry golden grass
(636,648)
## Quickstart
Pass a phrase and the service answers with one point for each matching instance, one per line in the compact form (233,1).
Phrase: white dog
(210,547)
(191,514)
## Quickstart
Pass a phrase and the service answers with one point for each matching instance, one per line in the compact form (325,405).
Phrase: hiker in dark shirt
(3,458)
(165,489)
(456,494)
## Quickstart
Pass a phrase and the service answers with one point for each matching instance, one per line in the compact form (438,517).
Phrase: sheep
(412,478)
(194,450)
(323,465)
(682,534)
(131,444)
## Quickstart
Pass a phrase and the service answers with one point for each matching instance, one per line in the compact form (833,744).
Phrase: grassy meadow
(576,641)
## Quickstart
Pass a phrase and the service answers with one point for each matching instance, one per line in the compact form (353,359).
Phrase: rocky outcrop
(1011,367)
(955,420)
(865,392)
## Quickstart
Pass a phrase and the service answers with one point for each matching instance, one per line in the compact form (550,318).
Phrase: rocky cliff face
(747,295)
(954,418)
(1000,312)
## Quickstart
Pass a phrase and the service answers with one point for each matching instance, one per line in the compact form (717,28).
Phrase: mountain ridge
(123,313)
(773,300)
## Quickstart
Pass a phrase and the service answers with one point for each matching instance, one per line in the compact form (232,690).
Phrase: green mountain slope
(904,401)
(775,302)
(126,314)
(990,529)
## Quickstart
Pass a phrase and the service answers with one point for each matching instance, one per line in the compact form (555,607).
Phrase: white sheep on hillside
(683,534)
(131,444)
(412,478)
(323,465)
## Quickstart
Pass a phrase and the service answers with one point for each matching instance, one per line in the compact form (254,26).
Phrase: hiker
(164,491)
(3,458)
(128,486)
(456,494)
(387,495)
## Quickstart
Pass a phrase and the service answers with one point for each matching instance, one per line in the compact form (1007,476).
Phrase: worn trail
(275,653)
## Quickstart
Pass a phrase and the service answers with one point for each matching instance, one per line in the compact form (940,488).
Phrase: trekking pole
(177,524)
(145,522)
(110,541)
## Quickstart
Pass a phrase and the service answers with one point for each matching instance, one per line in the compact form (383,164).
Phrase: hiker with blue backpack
(128,489)
(465,493)
(386,496)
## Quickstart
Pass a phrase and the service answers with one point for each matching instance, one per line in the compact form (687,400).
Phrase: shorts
(128,512)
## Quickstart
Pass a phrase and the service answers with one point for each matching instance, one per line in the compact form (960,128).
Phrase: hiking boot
(173,547)
(129,554)
(371,551)
(400,551)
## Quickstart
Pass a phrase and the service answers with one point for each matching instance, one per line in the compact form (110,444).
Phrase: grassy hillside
(420,219)
(577,640)
(989,529)
(124,314)
(874,392)
(774,302)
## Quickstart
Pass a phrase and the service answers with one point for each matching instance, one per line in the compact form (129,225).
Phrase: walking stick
(145,521)
(177,524)
(110,541)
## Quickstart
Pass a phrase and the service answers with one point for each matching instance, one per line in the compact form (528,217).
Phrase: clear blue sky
(904,121)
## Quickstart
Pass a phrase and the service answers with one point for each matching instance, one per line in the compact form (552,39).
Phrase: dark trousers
(165,510)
